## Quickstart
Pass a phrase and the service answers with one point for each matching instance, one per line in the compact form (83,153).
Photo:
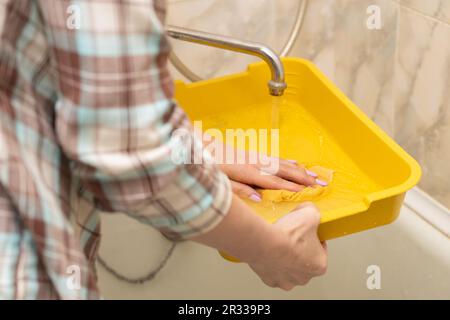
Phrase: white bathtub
(413,255)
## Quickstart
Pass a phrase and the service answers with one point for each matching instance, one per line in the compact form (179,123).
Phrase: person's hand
(250,170)
(245,177)
(300,256)
(284,255)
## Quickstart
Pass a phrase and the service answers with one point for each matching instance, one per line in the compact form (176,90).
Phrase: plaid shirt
(86,122)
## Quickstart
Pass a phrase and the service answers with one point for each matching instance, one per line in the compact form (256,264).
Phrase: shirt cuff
(194,205)
(214,206)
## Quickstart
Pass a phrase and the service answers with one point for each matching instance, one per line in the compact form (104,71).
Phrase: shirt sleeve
(116,117)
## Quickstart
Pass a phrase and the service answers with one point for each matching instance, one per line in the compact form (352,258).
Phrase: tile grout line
(396,61)
(422,14)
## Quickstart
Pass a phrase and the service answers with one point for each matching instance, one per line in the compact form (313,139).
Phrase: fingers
(286,162)
(290,171)
(289,176)
(245,191)
(265,181)
(251,175)
(296,174)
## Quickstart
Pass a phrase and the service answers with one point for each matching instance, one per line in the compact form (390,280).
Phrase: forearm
(243,234)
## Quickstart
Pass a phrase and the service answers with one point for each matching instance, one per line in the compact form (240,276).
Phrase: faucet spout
(277,83)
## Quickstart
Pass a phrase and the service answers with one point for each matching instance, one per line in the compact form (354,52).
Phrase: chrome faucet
(276,84)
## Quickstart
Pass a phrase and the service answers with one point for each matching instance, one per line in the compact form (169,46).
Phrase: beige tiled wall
(359,60)
(399,75)
(423,92)
(439,9)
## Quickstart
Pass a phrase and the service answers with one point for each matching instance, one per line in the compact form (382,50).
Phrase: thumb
(305,204)
(305,213)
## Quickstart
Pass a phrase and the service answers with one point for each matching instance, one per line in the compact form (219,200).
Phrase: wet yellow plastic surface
(312,146)
(319,127)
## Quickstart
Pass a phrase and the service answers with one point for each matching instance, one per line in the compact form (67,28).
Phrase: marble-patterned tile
(423,98)
(360,61)
(365,58)
(316,38)
(439,9)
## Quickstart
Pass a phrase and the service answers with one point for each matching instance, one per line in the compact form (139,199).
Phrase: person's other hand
(300,256)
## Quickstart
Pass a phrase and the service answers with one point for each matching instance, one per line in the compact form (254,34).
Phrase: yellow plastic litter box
(318,126)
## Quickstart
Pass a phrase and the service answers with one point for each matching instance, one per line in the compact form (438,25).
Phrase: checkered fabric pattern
(87,122)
